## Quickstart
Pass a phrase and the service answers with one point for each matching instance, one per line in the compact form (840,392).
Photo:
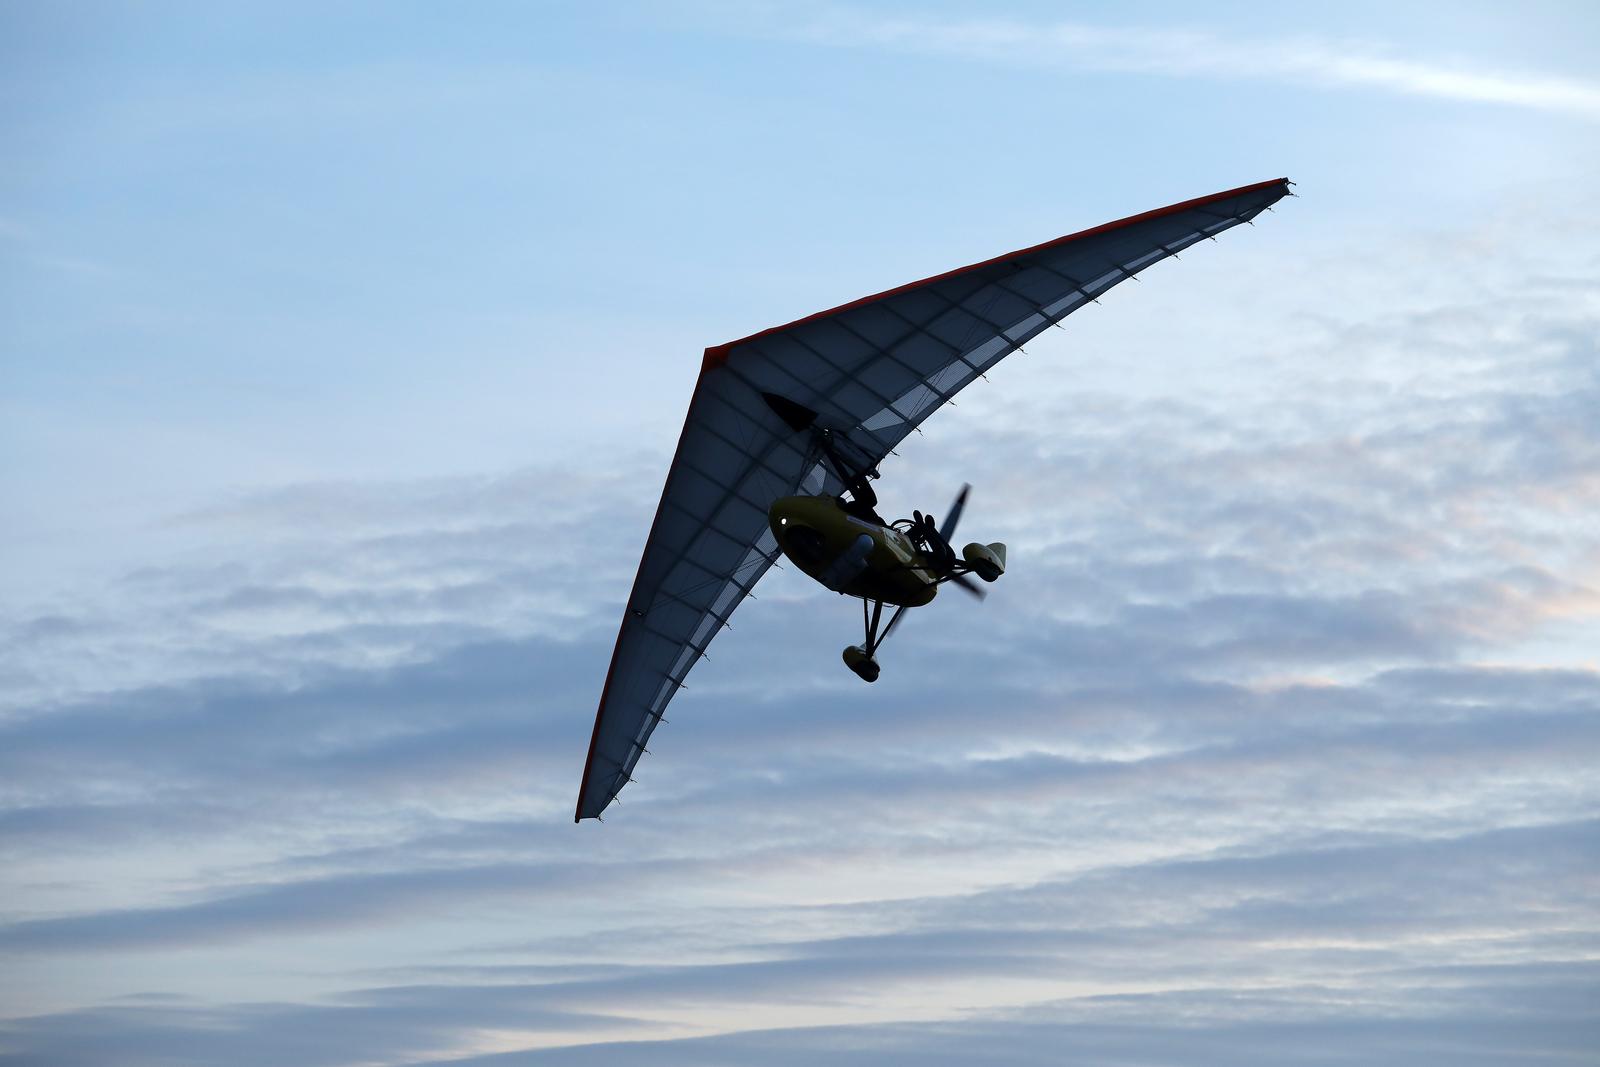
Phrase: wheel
(864,666)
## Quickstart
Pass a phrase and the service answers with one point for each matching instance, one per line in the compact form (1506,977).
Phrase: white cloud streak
(1187,53)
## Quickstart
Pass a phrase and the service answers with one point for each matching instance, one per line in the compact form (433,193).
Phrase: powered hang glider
(786,428)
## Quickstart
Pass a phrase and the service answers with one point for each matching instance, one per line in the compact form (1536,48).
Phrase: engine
(987,561)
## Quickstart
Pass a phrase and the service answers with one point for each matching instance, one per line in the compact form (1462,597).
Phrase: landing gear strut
(859,657)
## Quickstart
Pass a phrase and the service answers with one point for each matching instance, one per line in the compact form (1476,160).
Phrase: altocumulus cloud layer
(1275,745)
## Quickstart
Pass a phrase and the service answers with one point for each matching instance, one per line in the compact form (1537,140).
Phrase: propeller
(924,530)
(947,529)
(937,538)
(970,586)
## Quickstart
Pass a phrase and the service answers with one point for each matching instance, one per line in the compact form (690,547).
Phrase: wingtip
(714,357)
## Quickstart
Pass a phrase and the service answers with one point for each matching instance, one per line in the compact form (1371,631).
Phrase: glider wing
(873,369)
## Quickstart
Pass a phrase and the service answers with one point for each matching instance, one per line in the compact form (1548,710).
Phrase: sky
(342,353)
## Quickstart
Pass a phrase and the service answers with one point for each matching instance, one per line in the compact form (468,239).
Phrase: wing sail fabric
(708,546)
(874,370)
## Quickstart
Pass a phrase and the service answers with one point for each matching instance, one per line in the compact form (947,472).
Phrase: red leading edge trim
(718,354)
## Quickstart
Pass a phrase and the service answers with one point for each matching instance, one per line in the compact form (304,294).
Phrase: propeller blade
(948,528)
(893,622)
(970,586)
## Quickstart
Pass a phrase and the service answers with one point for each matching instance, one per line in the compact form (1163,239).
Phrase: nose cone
(782,518)
(784,510)
(817,512)
(800,523)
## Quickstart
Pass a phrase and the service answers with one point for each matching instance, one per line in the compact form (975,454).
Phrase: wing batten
(874,369)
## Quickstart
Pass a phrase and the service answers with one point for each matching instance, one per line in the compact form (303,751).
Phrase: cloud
(1278,735)
(365,1026)
(1187,53)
